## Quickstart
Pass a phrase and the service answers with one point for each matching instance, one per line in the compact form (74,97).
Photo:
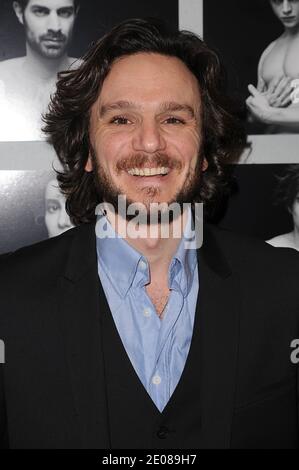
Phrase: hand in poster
(258,104)
(279,92)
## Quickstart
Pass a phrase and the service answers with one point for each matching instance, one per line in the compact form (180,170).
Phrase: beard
(110,193)
(47,51)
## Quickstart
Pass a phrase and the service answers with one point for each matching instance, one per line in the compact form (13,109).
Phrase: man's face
(147,119)
(287,11)
(48,26)
(56,218)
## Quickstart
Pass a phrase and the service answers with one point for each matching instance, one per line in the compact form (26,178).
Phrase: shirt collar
(182,266)
(116,257)
(125,266)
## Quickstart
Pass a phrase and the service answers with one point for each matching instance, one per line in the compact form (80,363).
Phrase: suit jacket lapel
(218,336)
(80,320)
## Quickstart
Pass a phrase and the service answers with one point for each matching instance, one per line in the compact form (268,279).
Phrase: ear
(18,11)
(88,166)
(205,164)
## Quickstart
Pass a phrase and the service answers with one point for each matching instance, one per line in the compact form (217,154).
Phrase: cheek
(276,11)
(188,146)
(49,220)
(35,33)
(67,27)
(111,146)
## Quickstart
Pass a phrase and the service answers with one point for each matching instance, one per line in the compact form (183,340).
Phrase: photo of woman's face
(56,218)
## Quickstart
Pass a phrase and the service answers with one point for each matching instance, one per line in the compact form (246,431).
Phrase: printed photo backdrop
(257,49)
(251,45)
(22,208)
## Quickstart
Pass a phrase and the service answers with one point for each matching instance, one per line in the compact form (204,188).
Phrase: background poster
(32,208)
(249,29)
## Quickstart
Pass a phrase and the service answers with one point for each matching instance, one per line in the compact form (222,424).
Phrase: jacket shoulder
(243,252)
(41,260)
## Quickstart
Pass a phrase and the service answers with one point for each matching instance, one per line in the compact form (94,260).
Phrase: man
(275,101)
(117,341)
(26,83)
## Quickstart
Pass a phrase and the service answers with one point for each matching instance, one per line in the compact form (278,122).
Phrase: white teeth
(149,171)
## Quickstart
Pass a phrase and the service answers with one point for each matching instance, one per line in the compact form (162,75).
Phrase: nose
(287,7)
(54,23)
(64,220)
(148,138)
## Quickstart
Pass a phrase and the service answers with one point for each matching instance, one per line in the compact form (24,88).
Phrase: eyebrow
(43,7)
(164,107)
(56,200)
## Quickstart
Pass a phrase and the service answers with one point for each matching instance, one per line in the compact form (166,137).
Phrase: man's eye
(65,12)
(119,120)
(40,11)
(174,120)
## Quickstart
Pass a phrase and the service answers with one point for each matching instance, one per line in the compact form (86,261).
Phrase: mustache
(139,160)
(53,37)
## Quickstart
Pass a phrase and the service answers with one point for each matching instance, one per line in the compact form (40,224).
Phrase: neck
(42,67)
(292,32)
(157,243)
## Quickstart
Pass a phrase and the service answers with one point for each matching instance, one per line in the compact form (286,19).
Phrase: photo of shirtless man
(275,100)
(27,82)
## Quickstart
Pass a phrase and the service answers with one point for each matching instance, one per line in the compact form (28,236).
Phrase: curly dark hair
(67,121)
(287,189)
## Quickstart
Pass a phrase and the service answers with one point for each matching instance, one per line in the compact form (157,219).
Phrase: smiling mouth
(145,172)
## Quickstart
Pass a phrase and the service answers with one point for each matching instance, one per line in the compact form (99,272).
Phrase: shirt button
(146,312)
(156,379)
(143,264)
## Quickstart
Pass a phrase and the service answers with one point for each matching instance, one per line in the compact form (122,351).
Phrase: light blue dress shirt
(157,348)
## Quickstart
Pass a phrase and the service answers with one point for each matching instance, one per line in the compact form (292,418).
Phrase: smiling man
(26,83)
(147,342)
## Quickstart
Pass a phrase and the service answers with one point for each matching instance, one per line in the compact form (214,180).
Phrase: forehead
(149,77)
(51,4)
(52,190)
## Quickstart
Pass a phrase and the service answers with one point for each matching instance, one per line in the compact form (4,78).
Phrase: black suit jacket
(51,386)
